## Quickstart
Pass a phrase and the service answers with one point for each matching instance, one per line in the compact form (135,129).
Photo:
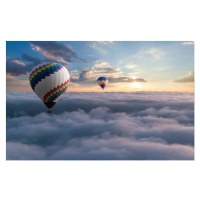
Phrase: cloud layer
(102,126)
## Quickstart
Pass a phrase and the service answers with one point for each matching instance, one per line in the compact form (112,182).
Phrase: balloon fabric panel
(56,92)
(102,83)
(40,73)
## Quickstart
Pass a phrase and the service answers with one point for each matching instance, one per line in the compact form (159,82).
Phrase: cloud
(126,79)
(101,126)
(55,50)
(156,53)
(101,68)
(34,60)
(185,79)
(51,52)
(105,42)
(131,66)
(187,43)
(116,102)
(104,67)
(15,67)
(94,45)
(99,45)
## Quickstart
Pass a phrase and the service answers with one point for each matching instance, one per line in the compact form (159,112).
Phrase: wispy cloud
(94,45)
(105,42)
(16,67)
(99,45)
(156,53)
(187,43)
(131,66)
(185,79)
(18,62)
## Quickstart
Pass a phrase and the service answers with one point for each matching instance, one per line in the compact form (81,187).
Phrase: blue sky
(135,66)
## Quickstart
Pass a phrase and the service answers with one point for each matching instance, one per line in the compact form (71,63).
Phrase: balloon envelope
(49,81)
(102,81)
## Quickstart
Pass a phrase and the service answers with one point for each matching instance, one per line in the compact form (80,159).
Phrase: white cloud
(99,64)
(105,42)
(188,43)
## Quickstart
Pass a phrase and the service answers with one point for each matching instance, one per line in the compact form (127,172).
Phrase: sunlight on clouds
(133,77)
(133,73)
(18,62)
(136,85)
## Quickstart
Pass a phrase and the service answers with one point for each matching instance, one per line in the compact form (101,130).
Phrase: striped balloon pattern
(102,81)
(49,81)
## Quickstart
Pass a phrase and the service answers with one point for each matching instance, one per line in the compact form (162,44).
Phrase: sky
(129,66)
(146,111)
(101,126)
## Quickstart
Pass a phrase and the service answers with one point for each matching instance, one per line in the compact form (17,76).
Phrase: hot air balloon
(49,81)
(102,81)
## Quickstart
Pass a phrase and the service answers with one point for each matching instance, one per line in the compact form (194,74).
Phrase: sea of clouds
(101,126)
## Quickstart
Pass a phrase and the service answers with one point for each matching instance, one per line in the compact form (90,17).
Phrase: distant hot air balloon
(102,81)
(49,81)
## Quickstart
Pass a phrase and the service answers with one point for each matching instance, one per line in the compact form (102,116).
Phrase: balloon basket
(50,111)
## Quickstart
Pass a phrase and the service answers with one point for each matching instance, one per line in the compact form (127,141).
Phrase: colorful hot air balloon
(49,81)
(102,81)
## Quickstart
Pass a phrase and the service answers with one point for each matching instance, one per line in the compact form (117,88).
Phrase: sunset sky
(129,66)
